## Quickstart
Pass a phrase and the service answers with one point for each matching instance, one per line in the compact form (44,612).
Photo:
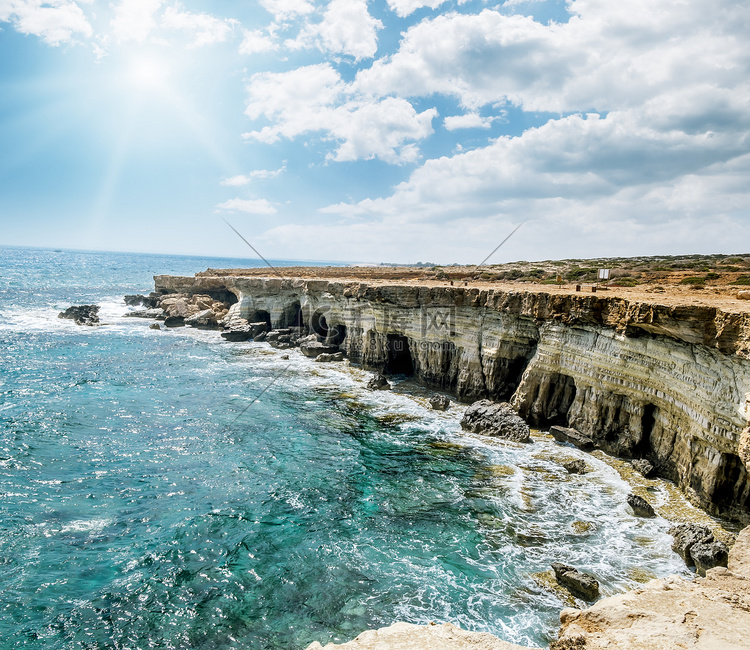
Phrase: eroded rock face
(498,420)
(686,536)
(709,555)
(439,402)
(378,382)
(642,466)
(406,636)
(711,613)
(642,380)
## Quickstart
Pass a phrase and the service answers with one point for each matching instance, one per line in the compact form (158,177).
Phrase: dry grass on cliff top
(713,280)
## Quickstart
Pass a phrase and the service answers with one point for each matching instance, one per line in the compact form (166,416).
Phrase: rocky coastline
(664,386)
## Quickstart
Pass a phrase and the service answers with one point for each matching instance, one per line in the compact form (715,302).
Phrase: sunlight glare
(148,73)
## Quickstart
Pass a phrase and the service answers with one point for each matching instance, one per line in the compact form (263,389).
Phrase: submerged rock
(573,436)
(82,314)
(688,535)
(577,466)
(640,506)
(154,326)
(580,584)
(440,402)
(379,382)
(495,419)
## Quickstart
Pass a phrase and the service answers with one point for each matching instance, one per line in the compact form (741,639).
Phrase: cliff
(666,382)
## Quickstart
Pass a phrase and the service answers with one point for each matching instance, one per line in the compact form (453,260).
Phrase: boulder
(82,314)
(580,584)
(709,555)
(261,327)
(314,348)
(577,466)
(688,535)
(573,436)
(379,382)
(642,466)
(260,337)
(495,419)
(237,334)
(440,402)
(154,326)
(338,356)
(174,321)
(641,507)
(205,319)
(743,295)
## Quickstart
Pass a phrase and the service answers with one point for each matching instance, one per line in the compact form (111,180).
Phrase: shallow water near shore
(138,510)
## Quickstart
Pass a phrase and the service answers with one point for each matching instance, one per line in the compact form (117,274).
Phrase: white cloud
(283,9)
(251,206)
(256,41)
(347,28)
(244,179)
(54,21)
(134,19)
(204,29)
(407,7)
(315,99)
(467,121)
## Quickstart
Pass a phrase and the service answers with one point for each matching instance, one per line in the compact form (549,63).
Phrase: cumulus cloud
(134,19)
(256,41)
(347,28)
(467,121)
(251,206)
(283,9)
(244,179)
(203,28)
(315,99)
(407,7)
(54,21)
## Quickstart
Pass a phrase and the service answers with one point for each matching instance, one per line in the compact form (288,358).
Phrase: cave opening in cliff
(732,491)
(291,316)
(259,316)
(399,361)
(223,295)
(648,420)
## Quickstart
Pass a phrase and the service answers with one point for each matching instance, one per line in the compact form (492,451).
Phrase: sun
(148,72)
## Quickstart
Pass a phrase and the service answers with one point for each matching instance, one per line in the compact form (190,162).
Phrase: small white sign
(604,274)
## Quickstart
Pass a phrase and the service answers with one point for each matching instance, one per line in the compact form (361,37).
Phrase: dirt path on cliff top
(662,291)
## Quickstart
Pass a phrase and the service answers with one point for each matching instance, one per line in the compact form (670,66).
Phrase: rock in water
(708,555)
(642,466)
(205,319)
(686,536)
(575,466)
(82,314)
(154,326)
(580,584)
(440,402)
(237,333)
(640,506)
(174,321)
(573,436)
(378,382)
(338,356)
(495,419)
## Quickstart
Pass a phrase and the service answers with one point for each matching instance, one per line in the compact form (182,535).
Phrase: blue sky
(388,130)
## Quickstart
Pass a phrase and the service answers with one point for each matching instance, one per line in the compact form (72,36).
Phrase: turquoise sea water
(135,512)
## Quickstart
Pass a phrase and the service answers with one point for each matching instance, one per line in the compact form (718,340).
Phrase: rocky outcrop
(641,507)
(406,636)
(573,436)
(439,402)
(82,314)
(664,383)
(580,584)
(498,420)
(711,613)
(696,545)
(379,382)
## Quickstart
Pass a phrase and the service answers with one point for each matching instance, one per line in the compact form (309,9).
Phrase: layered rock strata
(669,384)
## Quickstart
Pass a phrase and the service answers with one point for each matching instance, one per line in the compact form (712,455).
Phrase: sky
(377,131)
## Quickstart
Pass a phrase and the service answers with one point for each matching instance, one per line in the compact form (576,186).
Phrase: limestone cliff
(666,383)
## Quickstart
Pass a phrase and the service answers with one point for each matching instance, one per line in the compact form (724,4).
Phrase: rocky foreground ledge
(711,613)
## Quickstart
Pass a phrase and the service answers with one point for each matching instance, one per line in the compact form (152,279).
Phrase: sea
(168,489)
